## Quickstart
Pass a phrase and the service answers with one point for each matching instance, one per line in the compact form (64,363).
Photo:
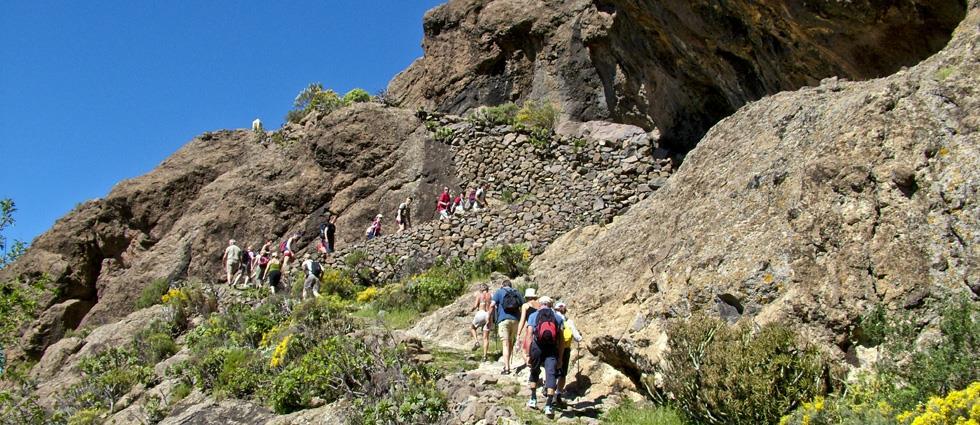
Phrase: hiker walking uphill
(260,264)
(330,232)
(569,334)
(231,259)
(274,271)
(481,320)
(288,254)
(374,230)
(404,215)
(506,305)
(442,205)
(245,267)
(547,347)
(523,335)
(313,271)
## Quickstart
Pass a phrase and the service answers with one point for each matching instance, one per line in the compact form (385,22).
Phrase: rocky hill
(804,207)
(173,222)
(676,66)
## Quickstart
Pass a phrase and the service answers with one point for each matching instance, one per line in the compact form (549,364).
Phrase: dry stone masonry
(537,190)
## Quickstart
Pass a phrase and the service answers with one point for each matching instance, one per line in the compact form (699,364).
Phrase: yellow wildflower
(279,354)
(958,407)
(367,295)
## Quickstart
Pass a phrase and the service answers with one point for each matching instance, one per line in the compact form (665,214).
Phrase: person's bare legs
(486,342)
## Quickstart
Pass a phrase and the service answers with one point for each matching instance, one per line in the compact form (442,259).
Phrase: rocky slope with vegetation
(676,66)
(805,208)
(174,222)
(810,234)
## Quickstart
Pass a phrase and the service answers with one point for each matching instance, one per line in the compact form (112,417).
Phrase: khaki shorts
(231,267)
(507,330)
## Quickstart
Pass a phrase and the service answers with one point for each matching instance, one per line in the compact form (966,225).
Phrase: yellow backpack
(566,334)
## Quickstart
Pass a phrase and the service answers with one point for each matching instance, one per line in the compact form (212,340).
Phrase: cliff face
(805,207)
(174,221)
(678,66)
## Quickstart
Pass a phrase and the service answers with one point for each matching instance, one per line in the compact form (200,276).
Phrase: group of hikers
(540,325)
(270,263)
(471,199)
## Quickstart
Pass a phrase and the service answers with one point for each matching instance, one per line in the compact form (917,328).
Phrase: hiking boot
(532,403)
(548,411)
(559,403)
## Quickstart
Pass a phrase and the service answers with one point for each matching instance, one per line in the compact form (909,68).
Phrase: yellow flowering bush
(279,354)
(957,408)
(175,295)
(367,295)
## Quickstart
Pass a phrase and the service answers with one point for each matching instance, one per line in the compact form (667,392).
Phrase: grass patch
(152,294)
(452,361)
(632,413)
(399,318)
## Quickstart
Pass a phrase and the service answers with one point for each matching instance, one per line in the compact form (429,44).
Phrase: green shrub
(314,98)
(434,288)
(152,293)
(181,391)
(511,260)
(631,413)
(833,411)
(507,196)
(357,95)
(722,374)
(393,296)
(537,115)
(240,326)
(906,374)
(504,114)
(155,343)
(188,300)
(236,372)
(108,376)
(416,405)
(88,417)
(335,367)
(19,401)
(19,305)
(323,317)
(335,281)
(444,134)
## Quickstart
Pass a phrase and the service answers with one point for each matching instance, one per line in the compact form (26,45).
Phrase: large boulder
(675,65)
(805,208)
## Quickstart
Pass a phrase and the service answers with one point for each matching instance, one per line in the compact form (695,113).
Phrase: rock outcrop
(805,207)
(537,190)
(679,66)
(175,221)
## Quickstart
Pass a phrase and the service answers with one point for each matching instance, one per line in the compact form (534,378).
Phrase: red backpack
(546,329)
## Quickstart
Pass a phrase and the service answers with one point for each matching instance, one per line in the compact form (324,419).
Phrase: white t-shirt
(308,266)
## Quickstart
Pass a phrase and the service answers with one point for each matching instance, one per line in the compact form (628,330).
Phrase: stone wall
(537,190)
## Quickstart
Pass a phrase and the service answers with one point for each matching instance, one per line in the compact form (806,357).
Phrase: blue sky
(93,92)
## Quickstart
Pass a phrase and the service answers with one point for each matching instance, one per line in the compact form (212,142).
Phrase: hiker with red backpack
(547,346)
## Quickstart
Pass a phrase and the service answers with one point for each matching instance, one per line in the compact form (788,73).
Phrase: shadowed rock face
(175,221)
(679,66)
(805,207)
